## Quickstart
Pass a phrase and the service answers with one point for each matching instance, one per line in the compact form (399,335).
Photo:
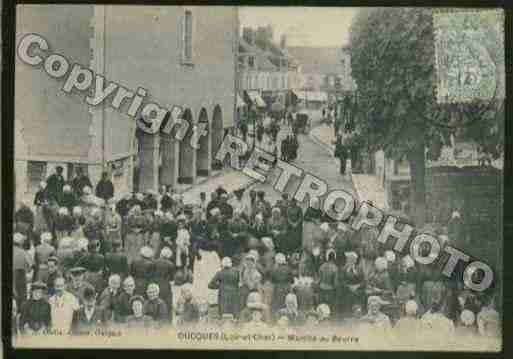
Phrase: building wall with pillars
(134,47)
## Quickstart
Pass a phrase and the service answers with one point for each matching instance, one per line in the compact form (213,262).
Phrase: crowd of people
(83,260)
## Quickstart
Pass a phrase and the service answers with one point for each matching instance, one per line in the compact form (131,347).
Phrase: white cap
(226,262)
(166,252)
(63,210)
(390,256)
(323,310)
(146,252)
(325,227)
(77,210)
(280,258)
(408,261)
(215,211)
(467,317)
(18,238)
(351,255)
(87,190)
(381,263)
(46,237)
(374,299)
(82,243)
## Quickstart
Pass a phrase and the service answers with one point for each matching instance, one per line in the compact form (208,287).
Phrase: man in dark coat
(79,182)
(67,198)
(295,227)
(55,183)
(341,154)
(110,298)
(24,217)
(105,188)
(90,316)
(35,313)
(116,262)
(328,280)
(21,265)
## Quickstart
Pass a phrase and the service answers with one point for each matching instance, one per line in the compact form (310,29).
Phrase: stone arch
(187,154)
(217,134)
(168,156)
(204,151)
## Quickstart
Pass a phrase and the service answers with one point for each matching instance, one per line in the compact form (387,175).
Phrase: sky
(304,26)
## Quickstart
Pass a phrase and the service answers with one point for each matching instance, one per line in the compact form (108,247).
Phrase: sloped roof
(263,58)
(316,59)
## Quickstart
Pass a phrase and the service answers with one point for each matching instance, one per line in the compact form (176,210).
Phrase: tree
(393,64)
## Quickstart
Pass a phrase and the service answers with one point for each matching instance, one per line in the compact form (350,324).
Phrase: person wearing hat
(143,269)
(282,279)
(63,304)
(409,324)
(259,227)
(44,251)
(137,319)
(122,308)
(213,203)
(183,243)
(116,261)
(55,183)
(250,276)
(53,272)
(262,205)
(80,181)
(187,308)
(291,311)
(328,280)
(293,240)
(21,265)
(406,279)
(226,282)
(78,284)
(277,226)
(90,316)
(350,285)
(63,223)
(110,299)
(94,263)
(237,226)
(225,207)
(379,282)
(165,270)
(113,224)
(134,238)
(324,312)
(35,313)
(24,219)
(105,188)
(67,199)
(166,202)
(374,316)
(239,204)
(155,307)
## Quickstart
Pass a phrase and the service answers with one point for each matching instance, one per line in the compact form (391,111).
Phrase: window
(36,172)
(187,36)
(251,62)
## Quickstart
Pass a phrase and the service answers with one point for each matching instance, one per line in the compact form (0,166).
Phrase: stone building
(170,55)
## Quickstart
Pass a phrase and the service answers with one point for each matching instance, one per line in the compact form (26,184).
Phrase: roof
(263,58)
(317,59)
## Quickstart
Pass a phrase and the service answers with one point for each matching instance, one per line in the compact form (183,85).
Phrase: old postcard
(284,178)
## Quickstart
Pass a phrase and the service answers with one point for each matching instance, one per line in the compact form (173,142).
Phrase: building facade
(174,55)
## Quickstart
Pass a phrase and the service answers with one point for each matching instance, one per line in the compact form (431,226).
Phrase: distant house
(322,69)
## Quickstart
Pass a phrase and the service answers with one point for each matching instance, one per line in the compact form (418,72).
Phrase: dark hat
(77,270)
(220,191)
(239,192)
(52,259)
(261,193)
(89,294)
(136,298)
(38,285)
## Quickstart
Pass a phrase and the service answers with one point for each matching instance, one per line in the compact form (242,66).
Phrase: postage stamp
(467,56)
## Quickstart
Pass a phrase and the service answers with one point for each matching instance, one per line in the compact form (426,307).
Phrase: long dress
(204,270)
(113,228)
(311,223)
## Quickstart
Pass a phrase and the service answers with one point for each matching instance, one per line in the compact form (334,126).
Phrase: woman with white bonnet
(78,222)
(375,317)
(277,225)
(134,236)
(226,282)
(406,279)
(143,270)
(379,283)
(154,230)
(282,279)
(237,227)
(259,227)
(466,324)
(165,270)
